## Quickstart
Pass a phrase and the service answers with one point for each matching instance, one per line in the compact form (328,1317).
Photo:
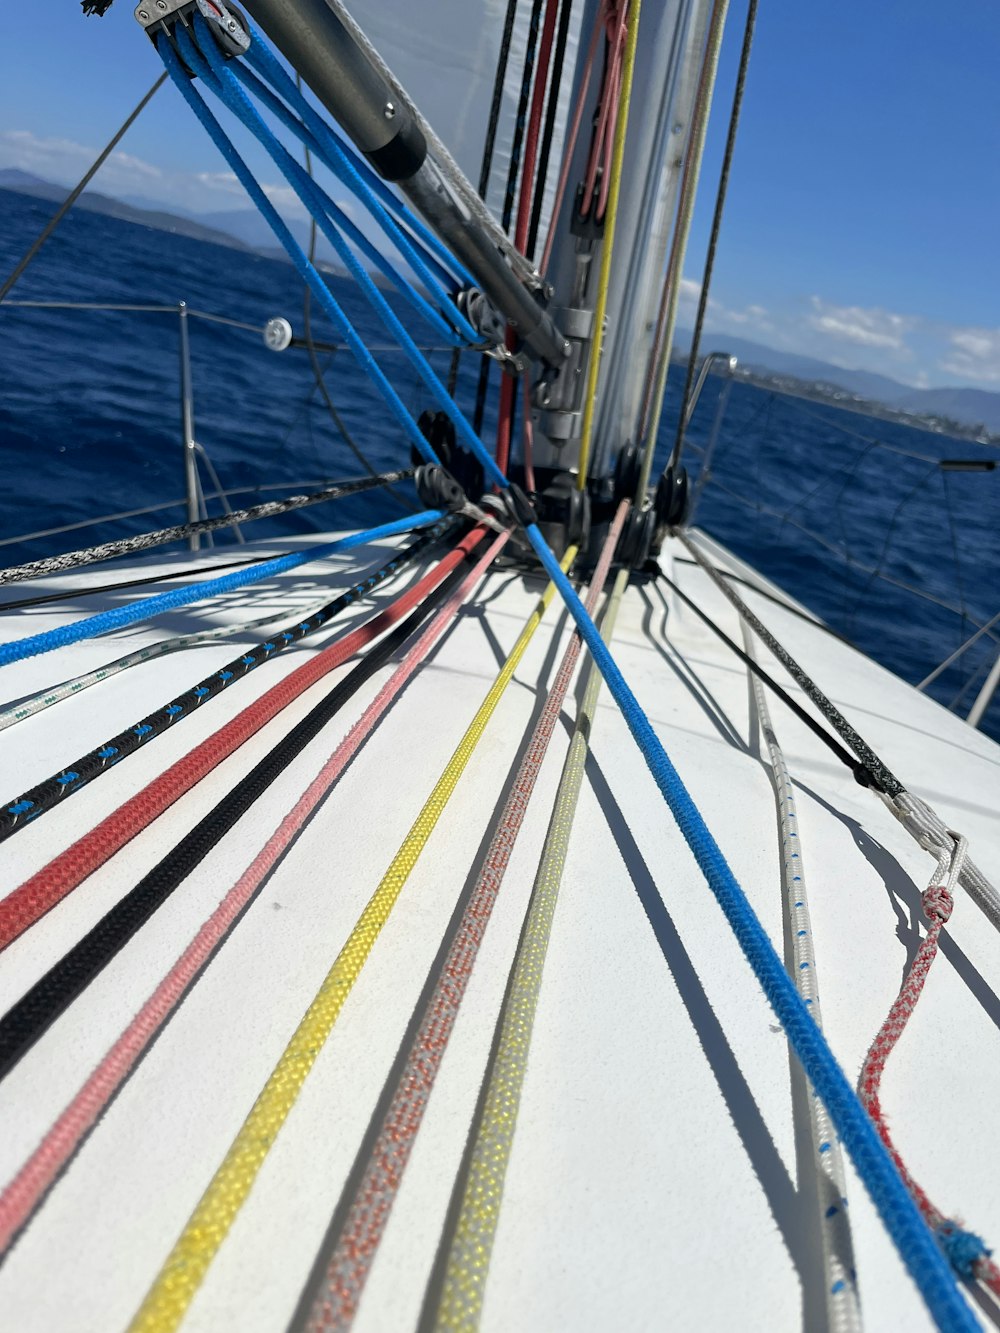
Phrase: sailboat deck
(660,1175)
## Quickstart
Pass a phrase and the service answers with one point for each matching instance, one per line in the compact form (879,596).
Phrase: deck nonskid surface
(655,1179)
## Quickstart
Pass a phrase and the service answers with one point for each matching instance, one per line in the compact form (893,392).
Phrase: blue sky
(862,217)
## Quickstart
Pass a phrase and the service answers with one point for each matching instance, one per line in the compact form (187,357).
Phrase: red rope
(574,133)
(966,1251)
(22,1196)
(523,219)
(39,894)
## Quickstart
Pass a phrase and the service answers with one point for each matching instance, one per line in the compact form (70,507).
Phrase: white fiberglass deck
(655,1180)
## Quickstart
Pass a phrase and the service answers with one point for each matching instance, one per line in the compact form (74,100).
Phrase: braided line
(92,555)
(185,1267)
(967,1251)
(65,872)
(27,1189)
(23,810)
(31,1017)
(330,1300)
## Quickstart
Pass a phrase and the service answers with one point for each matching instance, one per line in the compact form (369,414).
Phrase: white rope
(928,829)
(39,702)
(840,1283)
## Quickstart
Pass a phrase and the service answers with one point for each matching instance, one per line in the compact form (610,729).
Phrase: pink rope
(24,1193)
(336,1302)
(574,134)
(607,118)
(966,1251)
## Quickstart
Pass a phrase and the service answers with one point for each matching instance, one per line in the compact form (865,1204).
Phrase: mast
(670,41)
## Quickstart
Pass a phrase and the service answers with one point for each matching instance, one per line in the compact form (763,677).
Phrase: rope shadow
(793,1211)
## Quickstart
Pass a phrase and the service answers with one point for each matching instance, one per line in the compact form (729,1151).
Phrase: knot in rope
(937,903)
(965,1250)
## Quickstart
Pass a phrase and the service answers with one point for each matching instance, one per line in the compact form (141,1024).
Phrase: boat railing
(982,645)
(276,333)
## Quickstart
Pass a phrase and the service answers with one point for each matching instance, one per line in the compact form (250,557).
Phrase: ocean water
(852,515)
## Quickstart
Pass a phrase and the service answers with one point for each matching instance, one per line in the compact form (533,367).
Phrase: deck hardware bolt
(389,111)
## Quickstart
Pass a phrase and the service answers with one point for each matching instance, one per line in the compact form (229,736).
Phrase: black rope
(550,124)
(19,813)
(778,601)
(80,186)
(503,56)
(93,589)
(485,167)
(861,773)
(883,779)
(511,187)
(31,1017)
(144,541)
(720,200)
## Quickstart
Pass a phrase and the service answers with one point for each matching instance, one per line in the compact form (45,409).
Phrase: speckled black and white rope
(91,555)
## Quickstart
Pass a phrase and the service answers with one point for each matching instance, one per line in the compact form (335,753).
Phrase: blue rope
(263,59)
(106,621)
(913,1239)
(306,271)
(458,332)
(240,105)
(327,148)
(916,1244)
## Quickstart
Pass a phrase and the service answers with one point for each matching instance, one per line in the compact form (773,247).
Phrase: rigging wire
(319,374)
(713,240)
(78,189)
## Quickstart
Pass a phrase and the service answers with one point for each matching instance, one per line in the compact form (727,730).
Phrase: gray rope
(720,201)
(916,816)
(75,193)
(886,780)
(58,564)
(842,1302)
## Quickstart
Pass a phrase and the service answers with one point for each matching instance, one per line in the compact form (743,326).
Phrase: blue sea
(850,514)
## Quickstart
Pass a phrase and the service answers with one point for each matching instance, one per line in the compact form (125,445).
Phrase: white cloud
(974,354)
(868,327)
(62,160)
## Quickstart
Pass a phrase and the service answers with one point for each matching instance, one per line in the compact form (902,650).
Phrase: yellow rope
(181,1275)
(610,219)
(471,1247)
(650,426)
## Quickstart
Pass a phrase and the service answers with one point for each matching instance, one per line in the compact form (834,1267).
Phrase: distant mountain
(245,229)
(970,407)
(23,182)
